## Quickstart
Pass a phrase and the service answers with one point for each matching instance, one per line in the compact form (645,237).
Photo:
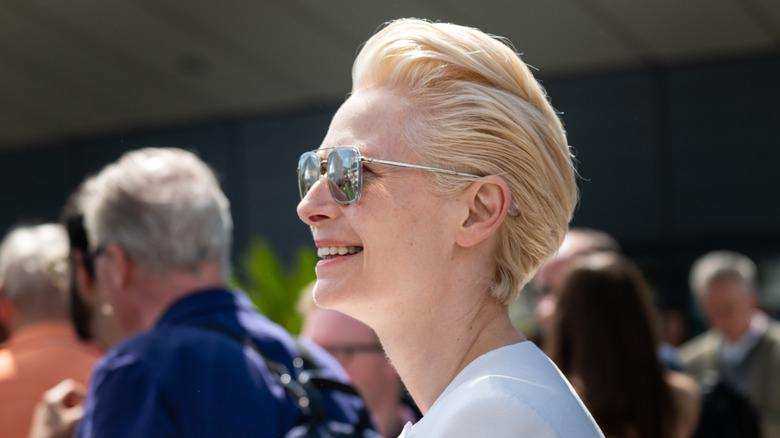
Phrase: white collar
(733,353)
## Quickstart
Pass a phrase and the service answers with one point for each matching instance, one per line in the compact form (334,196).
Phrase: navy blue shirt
(181,380)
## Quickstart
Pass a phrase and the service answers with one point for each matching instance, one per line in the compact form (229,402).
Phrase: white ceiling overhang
(85,67)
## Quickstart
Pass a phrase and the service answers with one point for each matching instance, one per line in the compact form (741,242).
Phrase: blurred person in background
(443,182)
(603,337)
(43,348)
(194,359)
(91,314)
(741,350)
(578,242)
(3,331)
(357,348)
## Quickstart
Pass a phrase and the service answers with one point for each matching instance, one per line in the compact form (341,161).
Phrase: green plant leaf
(273,287)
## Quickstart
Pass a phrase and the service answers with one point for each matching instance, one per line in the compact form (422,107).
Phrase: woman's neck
(430,353)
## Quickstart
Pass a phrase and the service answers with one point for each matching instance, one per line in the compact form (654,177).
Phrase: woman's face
(399,226)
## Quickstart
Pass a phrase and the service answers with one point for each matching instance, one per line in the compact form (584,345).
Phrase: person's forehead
(726,285)
(370,120)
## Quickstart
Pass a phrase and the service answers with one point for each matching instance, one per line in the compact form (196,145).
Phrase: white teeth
(330,251)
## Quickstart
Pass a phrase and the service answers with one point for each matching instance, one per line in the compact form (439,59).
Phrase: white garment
(513,391)
(732,353)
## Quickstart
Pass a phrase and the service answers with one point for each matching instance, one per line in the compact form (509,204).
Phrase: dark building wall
(673,163)
(679,162)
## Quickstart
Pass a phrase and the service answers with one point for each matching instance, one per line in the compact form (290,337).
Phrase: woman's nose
(317,205)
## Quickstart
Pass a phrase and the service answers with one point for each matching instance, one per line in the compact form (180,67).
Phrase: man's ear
(488,200)
(120,263)
(753,296)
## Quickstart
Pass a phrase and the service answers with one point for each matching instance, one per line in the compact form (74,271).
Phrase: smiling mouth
(329,252)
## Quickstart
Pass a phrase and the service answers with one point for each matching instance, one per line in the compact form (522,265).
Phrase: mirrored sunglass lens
(308,172)
(344,175)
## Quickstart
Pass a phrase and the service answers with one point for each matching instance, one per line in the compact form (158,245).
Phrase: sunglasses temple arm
(416,166)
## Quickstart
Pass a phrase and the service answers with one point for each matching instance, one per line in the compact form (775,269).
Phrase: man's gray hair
(33,270)
(163,206)
(717,265)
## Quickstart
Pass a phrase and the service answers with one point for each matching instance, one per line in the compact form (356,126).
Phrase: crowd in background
(141,275)
(596,319)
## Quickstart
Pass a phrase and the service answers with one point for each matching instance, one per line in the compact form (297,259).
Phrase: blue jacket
(181,380)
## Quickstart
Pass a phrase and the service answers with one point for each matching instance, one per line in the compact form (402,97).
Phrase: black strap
(305,385)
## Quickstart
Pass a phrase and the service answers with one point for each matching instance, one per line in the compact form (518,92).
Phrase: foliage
(273,287)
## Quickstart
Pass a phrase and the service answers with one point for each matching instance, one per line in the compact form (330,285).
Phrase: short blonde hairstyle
(163,206)
(476,108)
(33,270)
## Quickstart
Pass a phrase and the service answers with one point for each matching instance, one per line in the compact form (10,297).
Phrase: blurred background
(673,108)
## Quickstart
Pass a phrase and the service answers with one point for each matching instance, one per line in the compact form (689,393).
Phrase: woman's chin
(329,295)
(347,299)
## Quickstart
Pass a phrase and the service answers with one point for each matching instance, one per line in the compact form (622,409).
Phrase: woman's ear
(488,200)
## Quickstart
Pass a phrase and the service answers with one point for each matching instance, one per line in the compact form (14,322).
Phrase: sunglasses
(344,171)
(345,352)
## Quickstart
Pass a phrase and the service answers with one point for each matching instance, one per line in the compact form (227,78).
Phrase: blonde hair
(476,108)
(163,206)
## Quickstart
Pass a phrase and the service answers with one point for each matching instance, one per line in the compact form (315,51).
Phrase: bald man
(357,348)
